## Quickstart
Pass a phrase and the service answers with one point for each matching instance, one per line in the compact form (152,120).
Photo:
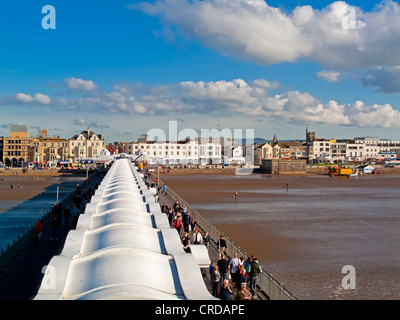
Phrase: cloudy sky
(125,67)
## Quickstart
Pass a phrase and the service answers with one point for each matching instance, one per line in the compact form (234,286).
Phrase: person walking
(39,230)
(67,216)
(197,237)
(233,265)
(222,264)
(216,282)
(221,245)
(170,217)
(187,220)
(255,270)
(178,224)
(186,242)
(206,240)
(164,208)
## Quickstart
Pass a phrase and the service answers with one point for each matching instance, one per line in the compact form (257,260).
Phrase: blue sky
(125,67)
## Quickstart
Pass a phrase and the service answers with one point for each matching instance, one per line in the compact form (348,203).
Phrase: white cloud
(24,97)
(216,99)
(39,98)
(43,99)
(79,84)
(255,31)
(330,76)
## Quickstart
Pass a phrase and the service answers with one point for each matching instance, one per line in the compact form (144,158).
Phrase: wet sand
(305,235)
(31,186)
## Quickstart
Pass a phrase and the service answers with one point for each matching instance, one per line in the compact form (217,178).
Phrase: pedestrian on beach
(235,195)
(206,240)
(222,264)
(221,245)
(255,270)
(226,292)
(216,282)
(243,292)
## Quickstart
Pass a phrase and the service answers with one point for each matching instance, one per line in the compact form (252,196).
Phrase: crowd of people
(242,273)
(234,278)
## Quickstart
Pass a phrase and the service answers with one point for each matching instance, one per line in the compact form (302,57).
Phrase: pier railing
(29,235)
(266,283)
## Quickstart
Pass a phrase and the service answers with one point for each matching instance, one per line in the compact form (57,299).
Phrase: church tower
(310,136)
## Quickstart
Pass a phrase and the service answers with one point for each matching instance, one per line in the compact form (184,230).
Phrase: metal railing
(266,283)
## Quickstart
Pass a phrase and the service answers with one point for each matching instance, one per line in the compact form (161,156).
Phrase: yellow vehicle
(345,172)
(340,171)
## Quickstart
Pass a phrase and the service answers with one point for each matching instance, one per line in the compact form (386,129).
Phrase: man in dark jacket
(225,293)
(223,264)
(187,220)
(253,273)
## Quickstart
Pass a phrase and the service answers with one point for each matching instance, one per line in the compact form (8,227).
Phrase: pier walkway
(268,288)
(124,248)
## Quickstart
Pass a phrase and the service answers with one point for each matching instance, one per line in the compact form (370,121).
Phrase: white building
(177,152)
(322,150)
(86,145)
(371,148)
(236,156)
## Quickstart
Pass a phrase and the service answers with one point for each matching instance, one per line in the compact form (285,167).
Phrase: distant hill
(261,141)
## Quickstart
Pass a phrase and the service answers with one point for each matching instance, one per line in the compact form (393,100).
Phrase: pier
(122,230)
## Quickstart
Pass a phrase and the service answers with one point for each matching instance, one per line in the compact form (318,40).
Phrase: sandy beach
(25,185)
(306,234)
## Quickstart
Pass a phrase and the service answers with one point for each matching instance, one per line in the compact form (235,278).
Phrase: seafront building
(85,146)
(14,149)
(187,151)
(44,149)
(19,149)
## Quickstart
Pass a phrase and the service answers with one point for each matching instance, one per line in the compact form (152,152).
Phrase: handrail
(266,283)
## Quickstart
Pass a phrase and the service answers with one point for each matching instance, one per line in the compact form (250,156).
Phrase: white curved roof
(123,248)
